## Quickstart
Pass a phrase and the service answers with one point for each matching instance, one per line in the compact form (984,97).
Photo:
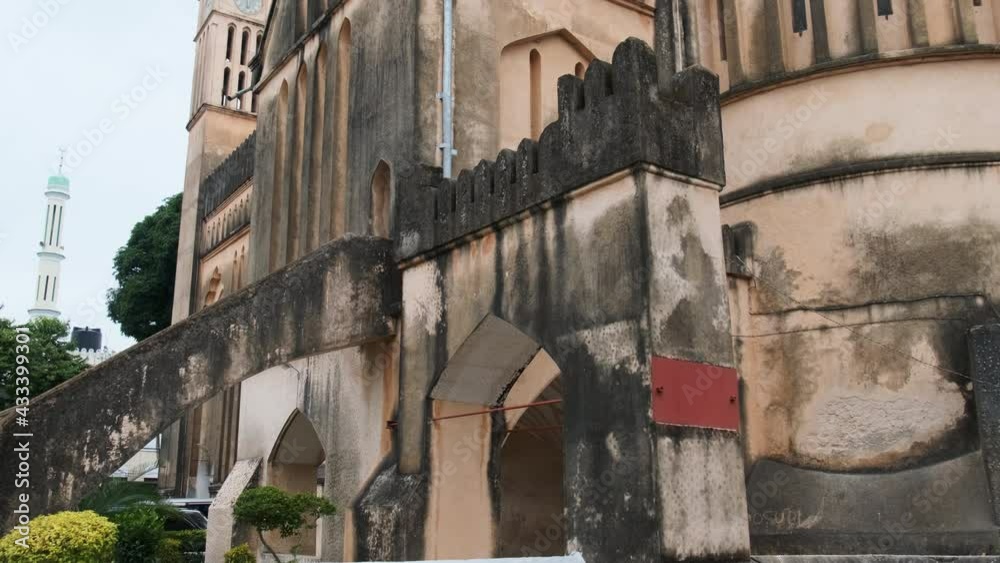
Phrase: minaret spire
(50,248)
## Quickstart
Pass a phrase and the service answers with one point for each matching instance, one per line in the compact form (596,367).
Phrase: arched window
(343,106)
(225,88)
(281,118)
(294,465)
(382,200)
(229,43)
(215,288)
(240,85)
(244,45)
(260,39)
(234,275)
(316,183)
(535,60)
(579,71)
(242,263)
(295,192)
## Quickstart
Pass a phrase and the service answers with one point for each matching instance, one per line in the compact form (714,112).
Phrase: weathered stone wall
(873,226)
(347,396)
(334,192)
(832,341)
(492,96)
(861,118)
(537,274)
(563,240)
(604,127)
(336,298)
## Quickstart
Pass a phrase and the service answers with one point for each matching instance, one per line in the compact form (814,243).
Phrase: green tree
(145,269)
(270,508)
(51,359)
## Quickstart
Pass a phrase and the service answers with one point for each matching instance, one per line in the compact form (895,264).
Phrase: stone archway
(496,449)
(532,465)
(86,428)
(294,466)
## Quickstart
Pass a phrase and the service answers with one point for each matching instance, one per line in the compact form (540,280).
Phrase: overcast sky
(70,67)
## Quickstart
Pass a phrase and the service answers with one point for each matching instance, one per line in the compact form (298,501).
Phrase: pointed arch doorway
(295,465)
(497,449)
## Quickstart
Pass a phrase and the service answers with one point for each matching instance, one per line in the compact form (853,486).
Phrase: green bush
(240,554)
(169,551)
(65,537)
(192,541)
(140,530)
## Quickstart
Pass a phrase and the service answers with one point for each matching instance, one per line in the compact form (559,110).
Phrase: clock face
(249,7)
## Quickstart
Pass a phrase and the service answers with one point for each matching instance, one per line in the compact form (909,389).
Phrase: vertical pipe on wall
(447,120)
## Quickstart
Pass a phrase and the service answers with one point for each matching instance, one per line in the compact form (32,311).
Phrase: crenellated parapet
(234,172)
(620,115)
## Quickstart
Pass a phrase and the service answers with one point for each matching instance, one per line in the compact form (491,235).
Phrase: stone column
(223,533)
(698,455)
(984,352)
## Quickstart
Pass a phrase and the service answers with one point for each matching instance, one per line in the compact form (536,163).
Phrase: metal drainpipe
(447,121)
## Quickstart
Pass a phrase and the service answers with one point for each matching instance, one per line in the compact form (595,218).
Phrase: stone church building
(672,280)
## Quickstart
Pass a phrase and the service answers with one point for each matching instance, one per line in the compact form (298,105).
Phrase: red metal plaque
(693,394)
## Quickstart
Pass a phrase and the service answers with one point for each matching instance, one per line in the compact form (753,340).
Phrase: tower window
(45,295)
(229,43)
(240,84)
(799,21)
(59,228)
(225,88)
(48,218)
(885,8)
(535,62)
(244,45)
(737,245)
(52,226)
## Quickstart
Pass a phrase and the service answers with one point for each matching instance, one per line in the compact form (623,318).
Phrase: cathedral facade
(643,281)
(858,217)
(859,220)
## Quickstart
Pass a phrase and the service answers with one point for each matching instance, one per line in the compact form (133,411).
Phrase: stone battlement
(234,171)
(616,118)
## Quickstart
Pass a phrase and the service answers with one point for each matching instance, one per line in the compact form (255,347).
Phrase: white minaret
(50,248)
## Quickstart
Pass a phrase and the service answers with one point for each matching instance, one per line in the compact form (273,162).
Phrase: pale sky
(66,65)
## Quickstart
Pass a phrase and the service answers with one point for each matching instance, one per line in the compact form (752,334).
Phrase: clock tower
(223,115)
